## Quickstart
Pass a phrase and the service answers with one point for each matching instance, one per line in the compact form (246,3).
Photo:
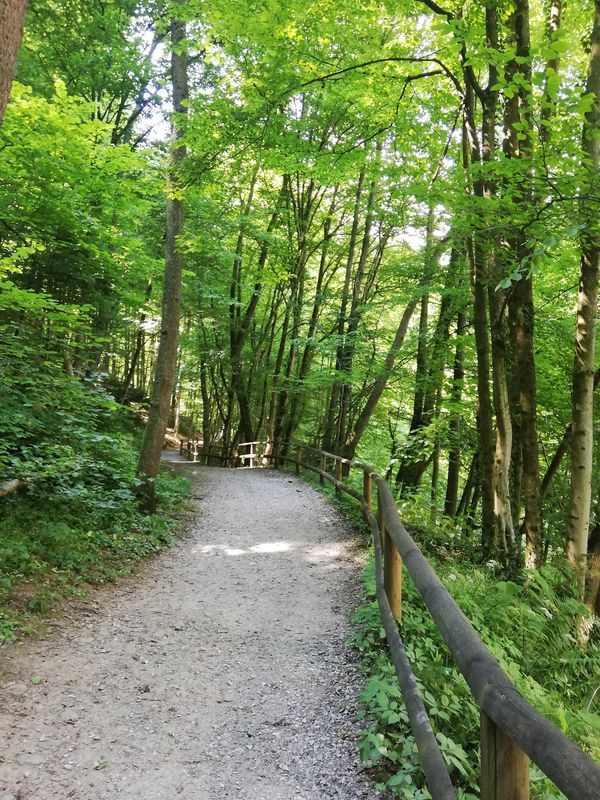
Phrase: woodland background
(383,238)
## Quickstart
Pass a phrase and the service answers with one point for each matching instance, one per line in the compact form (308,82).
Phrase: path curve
(221,673)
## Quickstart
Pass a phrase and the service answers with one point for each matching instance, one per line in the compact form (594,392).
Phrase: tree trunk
(429,373)
(412,465)
(139,341)
(206,416)
(520,301)
(550,72)
(560,452)
(504,534)
(303,214)
(298,397)
(271,422)
(454,456)
(12,18)
(475,249)
(435,470)
(331,436)
(585,340)
(480,249)
(355,315)
(380,382)
(154,435)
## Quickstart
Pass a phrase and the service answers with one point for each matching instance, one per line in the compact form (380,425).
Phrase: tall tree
(149,461)
(582,424)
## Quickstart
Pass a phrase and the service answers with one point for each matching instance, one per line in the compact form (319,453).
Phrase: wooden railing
(512,731)
(244,454)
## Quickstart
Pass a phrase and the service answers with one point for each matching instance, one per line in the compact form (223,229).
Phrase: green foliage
(77,519)
(518,624)
(54,542)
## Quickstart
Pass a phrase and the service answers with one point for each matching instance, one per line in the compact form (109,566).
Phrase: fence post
(504,766)
(392,566)
(367,487)
(298,459)
(251,455)
(338,474)
(322,465)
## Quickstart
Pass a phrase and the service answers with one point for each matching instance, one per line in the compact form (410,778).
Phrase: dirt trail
(220,673)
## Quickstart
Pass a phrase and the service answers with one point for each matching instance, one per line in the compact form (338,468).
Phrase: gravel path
(220,673)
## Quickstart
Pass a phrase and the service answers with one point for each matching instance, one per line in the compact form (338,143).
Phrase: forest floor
(221,671)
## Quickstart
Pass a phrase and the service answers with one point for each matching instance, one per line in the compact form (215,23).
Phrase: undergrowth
(52,548)
(528,630)
(527,626)
(77,521)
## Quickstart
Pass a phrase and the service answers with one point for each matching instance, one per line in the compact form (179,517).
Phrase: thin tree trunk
(236,338)
(430,371)
(504,534)
(435,471)
(560,452)
(470,483)
(154,435)
(271,417)
(410,470)
(262,403)
(206,416)
(480,247)
(592,586)
(332,432)
(298,397)
(585,341)
(355,316)
(454,456)
(380,382)
(303,217)
(139,341)
(550,72)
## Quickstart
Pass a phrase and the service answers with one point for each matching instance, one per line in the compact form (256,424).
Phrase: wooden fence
(244,454)
(512,731)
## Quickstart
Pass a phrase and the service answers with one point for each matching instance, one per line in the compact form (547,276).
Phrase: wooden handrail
(193,450)
(504,769)
(511,728)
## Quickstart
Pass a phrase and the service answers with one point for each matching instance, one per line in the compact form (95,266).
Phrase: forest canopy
(390,239)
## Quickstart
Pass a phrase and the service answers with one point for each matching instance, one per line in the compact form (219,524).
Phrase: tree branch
(393,59)
(438,9)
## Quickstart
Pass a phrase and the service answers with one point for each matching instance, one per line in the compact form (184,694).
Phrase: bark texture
(12,18)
